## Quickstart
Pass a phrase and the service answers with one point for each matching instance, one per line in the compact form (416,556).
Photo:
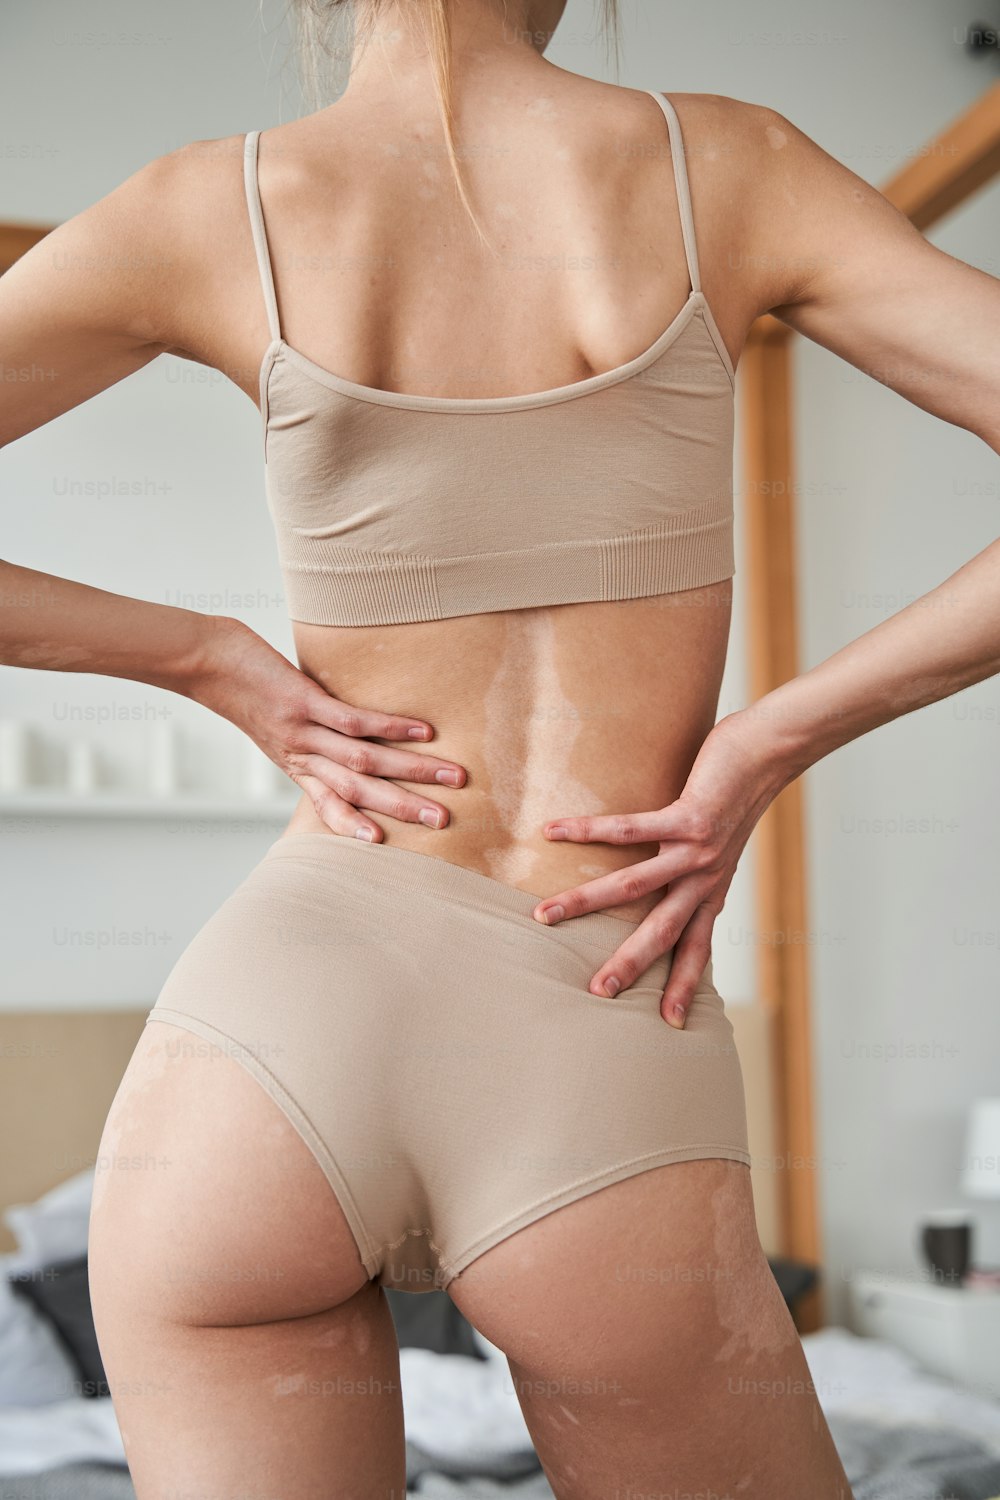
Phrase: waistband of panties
(406,869)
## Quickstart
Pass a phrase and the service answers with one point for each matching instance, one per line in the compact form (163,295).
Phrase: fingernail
(557,833)
(447,778)
(416,733)
(612,986)
(431,817)
(364,833)
(678,1015)
(553,914)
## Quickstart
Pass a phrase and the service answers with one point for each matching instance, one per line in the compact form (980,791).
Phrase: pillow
(794,1277)
(430,1320)
(55,1226)
(35,1369)
(61,1293)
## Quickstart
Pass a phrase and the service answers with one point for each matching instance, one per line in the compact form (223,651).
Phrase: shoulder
(194,175)
(722,110)
(719,128)
(785,192)
(151,195)
(172,220)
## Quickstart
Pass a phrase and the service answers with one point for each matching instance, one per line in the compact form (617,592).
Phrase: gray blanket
(882,1463)
(913,1463)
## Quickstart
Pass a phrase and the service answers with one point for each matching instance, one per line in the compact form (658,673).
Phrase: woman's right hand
(325,746)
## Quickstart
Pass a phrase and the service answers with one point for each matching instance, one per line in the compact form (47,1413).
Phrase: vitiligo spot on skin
(330,1337)
(752,1330)
(775,138)
(541,106)
(527,672)
(361,1334)
(127,1112)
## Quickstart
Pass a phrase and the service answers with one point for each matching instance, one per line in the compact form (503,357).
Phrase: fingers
(336,814)
(655,935)
(687,965)
(366,759)
(361,723)
(617,888)
(674,822)
(370,792)
(681,925)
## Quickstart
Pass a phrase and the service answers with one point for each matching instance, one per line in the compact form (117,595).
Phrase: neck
(489,41)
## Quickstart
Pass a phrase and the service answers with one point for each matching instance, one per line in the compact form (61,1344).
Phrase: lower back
(554,712)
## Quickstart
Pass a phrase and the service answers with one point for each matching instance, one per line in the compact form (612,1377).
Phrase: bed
(903,1434)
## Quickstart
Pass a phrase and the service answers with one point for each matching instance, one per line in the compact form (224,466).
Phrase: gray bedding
(913,1463)
(882,1463)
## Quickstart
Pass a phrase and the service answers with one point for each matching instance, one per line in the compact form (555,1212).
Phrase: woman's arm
(847,269)
(844,266)
(90,303)
(944,641)
(850,271)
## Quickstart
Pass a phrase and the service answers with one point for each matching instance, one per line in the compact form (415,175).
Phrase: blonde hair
(330,34)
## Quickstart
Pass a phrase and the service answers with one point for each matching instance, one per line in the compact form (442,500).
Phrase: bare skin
(544,708)
(249,1356)
(604,710)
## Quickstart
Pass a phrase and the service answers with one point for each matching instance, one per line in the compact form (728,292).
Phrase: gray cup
(946,1240)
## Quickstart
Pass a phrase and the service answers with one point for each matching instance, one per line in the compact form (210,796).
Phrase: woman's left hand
(701,837)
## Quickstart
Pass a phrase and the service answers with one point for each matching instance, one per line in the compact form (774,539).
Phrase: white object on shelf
(15,755)
(81,768)
(162,764)
(950,1330)
(981,1157)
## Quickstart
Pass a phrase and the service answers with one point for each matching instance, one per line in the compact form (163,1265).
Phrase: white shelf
(108,805)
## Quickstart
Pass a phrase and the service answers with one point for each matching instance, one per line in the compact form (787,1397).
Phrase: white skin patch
(330,1337)
(143,1071)
(752,1328)
(361,1334)
(542,106)
(775,138)
(288,1385)
(529,781)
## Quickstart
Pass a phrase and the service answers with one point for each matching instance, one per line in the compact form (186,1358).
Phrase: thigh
(247,1351)
(650,1348)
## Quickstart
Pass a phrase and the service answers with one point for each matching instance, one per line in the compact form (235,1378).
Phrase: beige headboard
(59,1072)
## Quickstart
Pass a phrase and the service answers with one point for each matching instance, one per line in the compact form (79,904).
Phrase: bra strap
(683,187)
(257,226)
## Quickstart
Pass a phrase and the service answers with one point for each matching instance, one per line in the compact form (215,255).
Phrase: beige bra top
(390,507)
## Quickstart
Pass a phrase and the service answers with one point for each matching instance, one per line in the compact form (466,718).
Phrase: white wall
(903,823)
(892,502)
(99,911)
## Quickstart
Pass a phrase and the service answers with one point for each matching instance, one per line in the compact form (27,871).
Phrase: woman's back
(590,706)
